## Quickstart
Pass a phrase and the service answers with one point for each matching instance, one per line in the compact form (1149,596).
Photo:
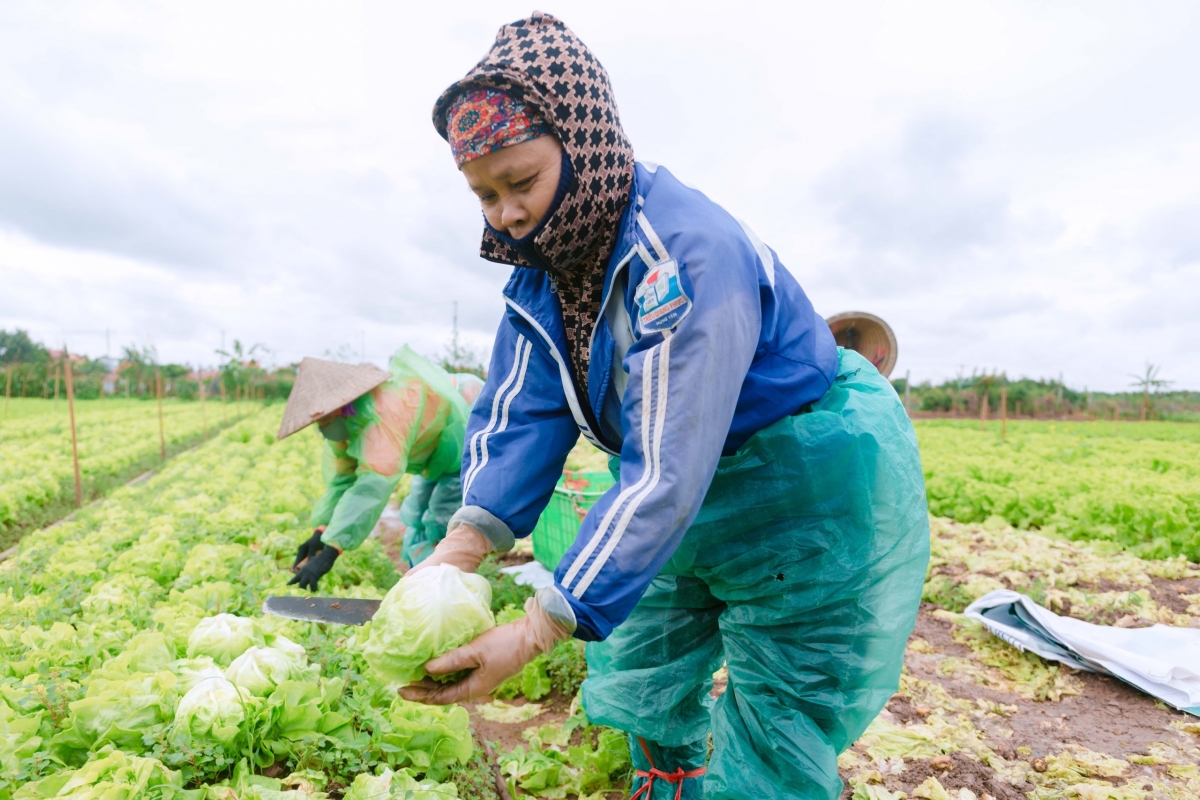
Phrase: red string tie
(654,773)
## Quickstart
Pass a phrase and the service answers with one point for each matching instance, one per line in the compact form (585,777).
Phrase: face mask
(336,431)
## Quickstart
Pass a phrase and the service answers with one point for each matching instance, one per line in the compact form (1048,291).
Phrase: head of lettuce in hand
(428,613)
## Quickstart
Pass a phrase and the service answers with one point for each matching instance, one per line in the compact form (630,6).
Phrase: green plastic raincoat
(414,422)
(431,503)
(802,574)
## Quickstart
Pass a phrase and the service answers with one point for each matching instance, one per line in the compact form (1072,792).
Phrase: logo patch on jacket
(661,298)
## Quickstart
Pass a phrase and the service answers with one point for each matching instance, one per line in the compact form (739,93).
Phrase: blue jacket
(704,339)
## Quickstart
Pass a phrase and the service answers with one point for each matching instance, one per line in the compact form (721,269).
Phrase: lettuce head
(426,614)
(192,671)
(260,669)
(158,559)
(400,785)
(213,710)
(109,775)
(224,637)
(120,595)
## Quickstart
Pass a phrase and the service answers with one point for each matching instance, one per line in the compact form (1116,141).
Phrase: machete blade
(322,609)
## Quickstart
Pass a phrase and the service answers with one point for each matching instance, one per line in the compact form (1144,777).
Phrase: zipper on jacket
(585,419)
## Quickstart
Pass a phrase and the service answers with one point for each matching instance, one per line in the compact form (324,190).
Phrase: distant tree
(1147,382)
(241,366)
(458,357)
(137,367)
(345,354)
(984,384)
(18,348)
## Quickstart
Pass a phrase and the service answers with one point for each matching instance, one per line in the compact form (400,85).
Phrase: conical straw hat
(324,386)
(867,335)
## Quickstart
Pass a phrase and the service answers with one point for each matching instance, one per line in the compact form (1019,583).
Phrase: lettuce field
(118,439)
(1134,486)
(135,661)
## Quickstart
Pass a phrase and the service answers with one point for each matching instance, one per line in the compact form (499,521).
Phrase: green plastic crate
(558,526)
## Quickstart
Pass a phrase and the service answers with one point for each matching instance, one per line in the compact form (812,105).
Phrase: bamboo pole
(74,440)
(7,390)
(983,412)
(162,436)
(1003,413)
(203,413)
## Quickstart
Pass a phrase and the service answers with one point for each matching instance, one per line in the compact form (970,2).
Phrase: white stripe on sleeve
(479,440)
(623,497)
(654,468)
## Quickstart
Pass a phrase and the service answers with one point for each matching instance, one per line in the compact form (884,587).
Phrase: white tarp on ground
(1160,660)
(531,574)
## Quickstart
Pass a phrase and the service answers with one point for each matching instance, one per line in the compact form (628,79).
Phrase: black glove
(310,548)
(314,568)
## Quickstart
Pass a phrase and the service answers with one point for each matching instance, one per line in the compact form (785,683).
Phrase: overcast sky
(1012,186)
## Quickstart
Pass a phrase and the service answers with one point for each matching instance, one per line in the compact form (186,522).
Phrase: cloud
(915,200)
(83,194)
(1173,235)
(909,213)
(268,171)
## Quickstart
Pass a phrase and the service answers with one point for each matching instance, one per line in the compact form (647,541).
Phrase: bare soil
(964,772)
(504,736)
(1109,717)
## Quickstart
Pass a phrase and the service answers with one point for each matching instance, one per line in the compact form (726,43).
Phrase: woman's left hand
(492,658)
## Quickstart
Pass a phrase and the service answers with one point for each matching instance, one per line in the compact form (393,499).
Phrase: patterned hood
(542,63)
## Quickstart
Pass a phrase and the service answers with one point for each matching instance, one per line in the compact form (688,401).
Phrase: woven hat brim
(325,386)
(874,338)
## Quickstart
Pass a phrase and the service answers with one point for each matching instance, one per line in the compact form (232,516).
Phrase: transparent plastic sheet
(414,422)
(359,508)
(468,385)
(425,513)
(803,573)
(335,487)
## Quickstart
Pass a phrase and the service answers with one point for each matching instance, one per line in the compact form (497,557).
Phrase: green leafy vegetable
(500,711)
(213,711)
(428,738)
(430,612)
(115,712)
(224,637)
(109,777)
(260,669)
(192,671)
(400,785)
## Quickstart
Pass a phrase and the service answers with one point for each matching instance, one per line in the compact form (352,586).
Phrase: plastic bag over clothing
(414,422)
(430,504)
(425,513)
(468,385)
(802,573)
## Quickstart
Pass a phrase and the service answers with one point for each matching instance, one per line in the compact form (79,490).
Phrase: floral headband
(482,121)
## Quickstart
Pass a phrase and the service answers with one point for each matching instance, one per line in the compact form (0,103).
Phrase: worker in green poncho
(379,425)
